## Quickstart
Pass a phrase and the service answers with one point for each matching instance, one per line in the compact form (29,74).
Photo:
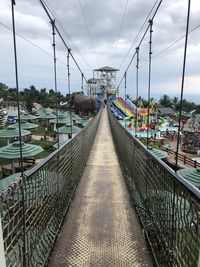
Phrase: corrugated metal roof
(106,68)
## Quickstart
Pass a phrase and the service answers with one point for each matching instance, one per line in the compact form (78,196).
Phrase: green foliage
(41,131)
(46,145)
(30,95)
(165,101)
(3,142)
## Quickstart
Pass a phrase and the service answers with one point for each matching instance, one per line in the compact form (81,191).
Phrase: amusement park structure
(104,80)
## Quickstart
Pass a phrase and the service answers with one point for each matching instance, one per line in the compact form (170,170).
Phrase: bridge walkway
(101,227)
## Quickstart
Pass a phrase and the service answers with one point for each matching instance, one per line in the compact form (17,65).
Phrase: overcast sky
(101,33)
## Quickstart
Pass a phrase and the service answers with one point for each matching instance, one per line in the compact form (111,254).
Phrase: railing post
(149,78)
(199,260)
(137,89)
(185,159)
(195,164)
(2,252)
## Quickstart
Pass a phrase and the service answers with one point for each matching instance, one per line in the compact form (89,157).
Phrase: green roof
(47,115)
(61,113)
(12,131)
(12,151)
(26,125)
(61,120)
(67,129)
(159,153)
(27,116)
(56,144)
(192,175)
(5,182)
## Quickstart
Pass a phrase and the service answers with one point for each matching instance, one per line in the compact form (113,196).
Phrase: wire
(175,42)
(182,83)
(62,27)
(138,33)
(120,29)
(141,40)
(55,82)
(30,42)
(61,37)
(19,124)
(87,26)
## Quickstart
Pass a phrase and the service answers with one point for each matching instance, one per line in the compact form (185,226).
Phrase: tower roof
(106,68)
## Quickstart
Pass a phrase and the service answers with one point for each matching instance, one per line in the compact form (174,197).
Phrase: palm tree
(165,101)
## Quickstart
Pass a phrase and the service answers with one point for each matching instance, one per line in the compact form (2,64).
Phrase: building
(166,111)
(104,80)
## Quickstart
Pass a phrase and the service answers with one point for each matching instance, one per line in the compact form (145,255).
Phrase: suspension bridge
(102,198)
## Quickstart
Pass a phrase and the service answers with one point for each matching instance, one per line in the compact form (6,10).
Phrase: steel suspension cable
(175,42)
(55,76)
(20,136)
(62,27)
(139,32)
(82,97)
(125,86)
(120,30)
(17,83)
(182,83)
(141,40)
(61,37)
(149,78)
(69,90)
(137,89)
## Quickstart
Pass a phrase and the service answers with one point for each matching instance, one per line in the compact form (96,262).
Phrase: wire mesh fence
(33,208)
(167,205)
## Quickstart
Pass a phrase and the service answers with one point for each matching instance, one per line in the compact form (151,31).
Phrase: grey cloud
(104,20)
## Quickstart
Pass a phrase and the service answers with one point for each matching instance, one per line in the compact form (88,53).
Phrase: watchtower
(105,79)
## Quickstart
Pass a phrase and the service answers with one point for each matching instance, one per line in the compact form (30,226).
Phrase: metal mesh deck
(101,228)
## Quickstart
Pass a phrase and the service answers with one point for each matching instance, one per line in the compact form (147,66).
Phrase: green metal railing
(167,205)
(33,208)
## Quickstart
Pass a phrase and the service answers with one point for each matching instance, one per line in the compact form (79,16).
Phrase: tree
(3,91)
(12,94)
(43,97)
(186,106)
(175,102)
(28,99)
(165,101)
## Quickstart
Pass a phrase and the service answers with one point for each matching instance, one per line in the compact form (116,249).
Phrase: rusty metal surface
(101,228)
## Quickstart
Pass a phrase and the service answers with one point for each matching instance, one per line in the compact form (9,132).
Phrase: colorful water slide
(124,107)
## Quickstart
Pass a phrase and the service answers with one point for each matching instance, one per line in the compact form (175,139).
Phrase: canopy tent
(12,151)
(192,175)
(5,182)
(67,132)
(27,117)
(26,125)
(11,131)
(61,113)
(68,129)
(159,153)
(60,120)
(47,116)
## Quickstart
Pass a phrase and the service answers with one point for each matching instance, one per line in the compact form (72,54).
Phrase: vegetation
(46,145)
(166,101)
(41,132)
(30,95)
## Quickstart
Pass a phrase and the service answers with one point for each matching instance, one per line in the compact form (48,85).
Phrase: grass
(5,162)
(46,145)
(3,142)
(41,131)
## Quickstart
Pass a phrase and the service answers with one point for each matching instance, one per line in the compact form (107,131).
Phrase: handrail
(183,158)
(33,208)
(168,206)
